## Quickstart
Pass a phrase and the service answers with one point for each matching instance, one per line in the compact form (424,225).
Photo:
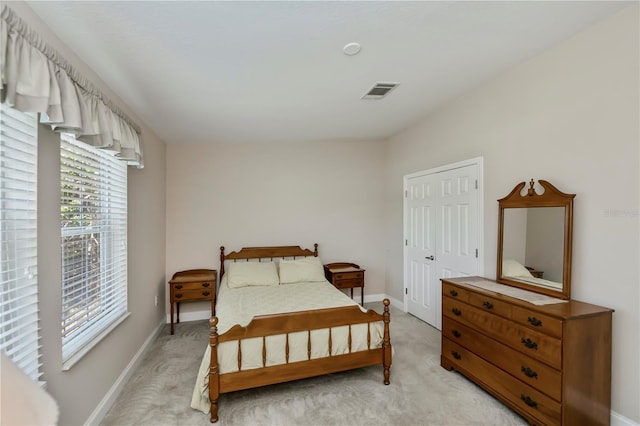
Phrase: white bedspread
(240,305)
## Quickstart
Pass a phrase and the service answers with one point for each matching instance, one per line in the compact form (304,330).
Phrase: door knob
(432,257)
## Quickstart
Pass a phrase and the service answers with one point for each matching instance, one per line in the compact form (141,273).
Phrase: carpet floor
(421,392)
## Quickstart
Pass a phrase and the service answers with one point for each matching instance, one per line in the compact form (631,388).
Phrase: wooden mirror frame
(551,197)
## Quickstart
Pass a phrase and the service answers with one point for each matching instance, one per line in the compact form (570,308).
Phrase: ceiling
(225,72)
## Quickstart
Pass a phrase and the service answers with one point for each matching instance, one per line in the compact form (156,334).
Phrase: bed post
(315,250)
(214,379)
(221,261)
(386,342)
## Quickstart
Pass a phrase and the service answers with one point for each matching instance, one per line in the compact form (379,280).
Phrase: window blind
(19,332)
(93,212)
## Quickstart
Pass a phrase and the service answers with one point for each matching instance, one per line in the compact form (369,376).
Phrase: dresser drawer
(534,373)
(455,292)
(522,396)
(537,321)
(542,347)
(490,304)
(193,286)
(189,295)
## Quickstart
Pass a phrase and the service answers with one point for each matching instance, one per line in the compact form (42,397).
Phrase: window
(93,212)
(19,330)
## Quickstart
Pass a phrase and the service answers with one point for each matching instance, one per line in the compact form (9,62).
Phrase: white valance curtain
(35,78)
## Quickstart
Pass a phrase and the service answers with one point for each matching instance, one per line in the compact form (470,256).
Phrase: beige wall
(79,390)
(330,193)
(570,116)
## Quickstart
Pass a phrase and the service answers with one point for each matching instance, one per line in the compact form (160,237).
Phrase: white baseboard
(368,298)
(103,407)
(620,420)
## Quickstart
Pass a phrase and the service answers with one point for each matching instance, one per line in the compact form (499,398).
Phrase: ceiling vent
(380,90)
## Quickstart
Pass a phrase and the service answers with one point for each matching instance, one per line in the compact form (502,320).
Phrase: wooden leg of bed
(214,412)
(386,343)
(214,378)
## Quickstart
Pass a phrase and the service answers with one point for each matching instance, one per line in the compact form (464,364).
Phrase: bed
(271,329)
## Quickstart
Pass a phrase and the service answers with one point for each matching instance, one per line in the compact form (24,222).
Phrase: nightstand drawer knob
(178,295)
(178,287)
(205,293)
(206,284)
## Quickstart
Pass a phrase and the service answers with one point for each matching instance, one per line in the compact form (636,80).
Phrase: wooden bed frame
(269,325)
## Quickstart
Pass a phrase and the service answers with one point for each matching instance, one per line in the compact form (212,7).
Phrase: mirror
(534,241)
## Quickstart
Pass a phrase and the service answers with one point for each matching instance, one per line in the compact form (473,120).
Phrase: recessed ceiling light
(351,49)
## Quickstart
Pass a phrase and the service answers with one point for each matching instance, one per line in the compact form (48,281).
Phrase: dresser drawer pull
(206,284)
(456,312)
(453,293)
(178,295)
(529,343)
(527,400)
(178,287)
(456,333)
(205,293)
(456,355)
(487,305)
(534,321)
(529,372)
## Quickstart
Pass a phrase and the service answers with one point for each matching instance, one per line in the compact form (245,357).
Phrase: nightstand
(345,275)
(193,285)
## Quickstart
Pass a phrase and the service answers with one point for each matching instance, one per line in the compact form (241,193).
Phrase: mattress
(240,305)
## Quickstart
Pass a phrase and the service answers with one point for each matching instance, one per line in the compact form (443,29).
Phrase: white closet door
(442,235)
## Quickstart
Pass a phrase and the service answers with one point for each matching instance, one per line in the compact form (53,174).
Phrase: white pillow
(306,269)
(512,268)
(242,274)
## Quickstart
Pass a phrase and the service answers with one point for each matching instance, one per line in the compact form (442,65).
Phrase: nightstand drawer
(349,276)
(189,295)
(349,283)
(192,286)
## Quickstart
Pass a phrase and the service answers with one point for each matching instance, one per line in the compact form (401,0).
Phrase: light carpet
(421,392)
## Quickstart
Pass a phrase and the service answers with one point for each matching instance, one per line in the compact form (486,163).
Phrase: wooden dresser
(193,285)
(550,363)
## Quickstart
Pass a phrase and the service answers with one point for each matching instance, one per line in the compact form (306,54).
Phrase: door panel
(420,246)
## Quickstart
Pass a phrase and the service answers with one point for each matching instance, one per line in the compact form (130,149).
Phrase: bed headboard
(266,253)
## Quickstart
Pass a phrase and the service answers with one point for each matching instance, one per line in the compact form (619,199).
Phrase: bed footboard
(284,324)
